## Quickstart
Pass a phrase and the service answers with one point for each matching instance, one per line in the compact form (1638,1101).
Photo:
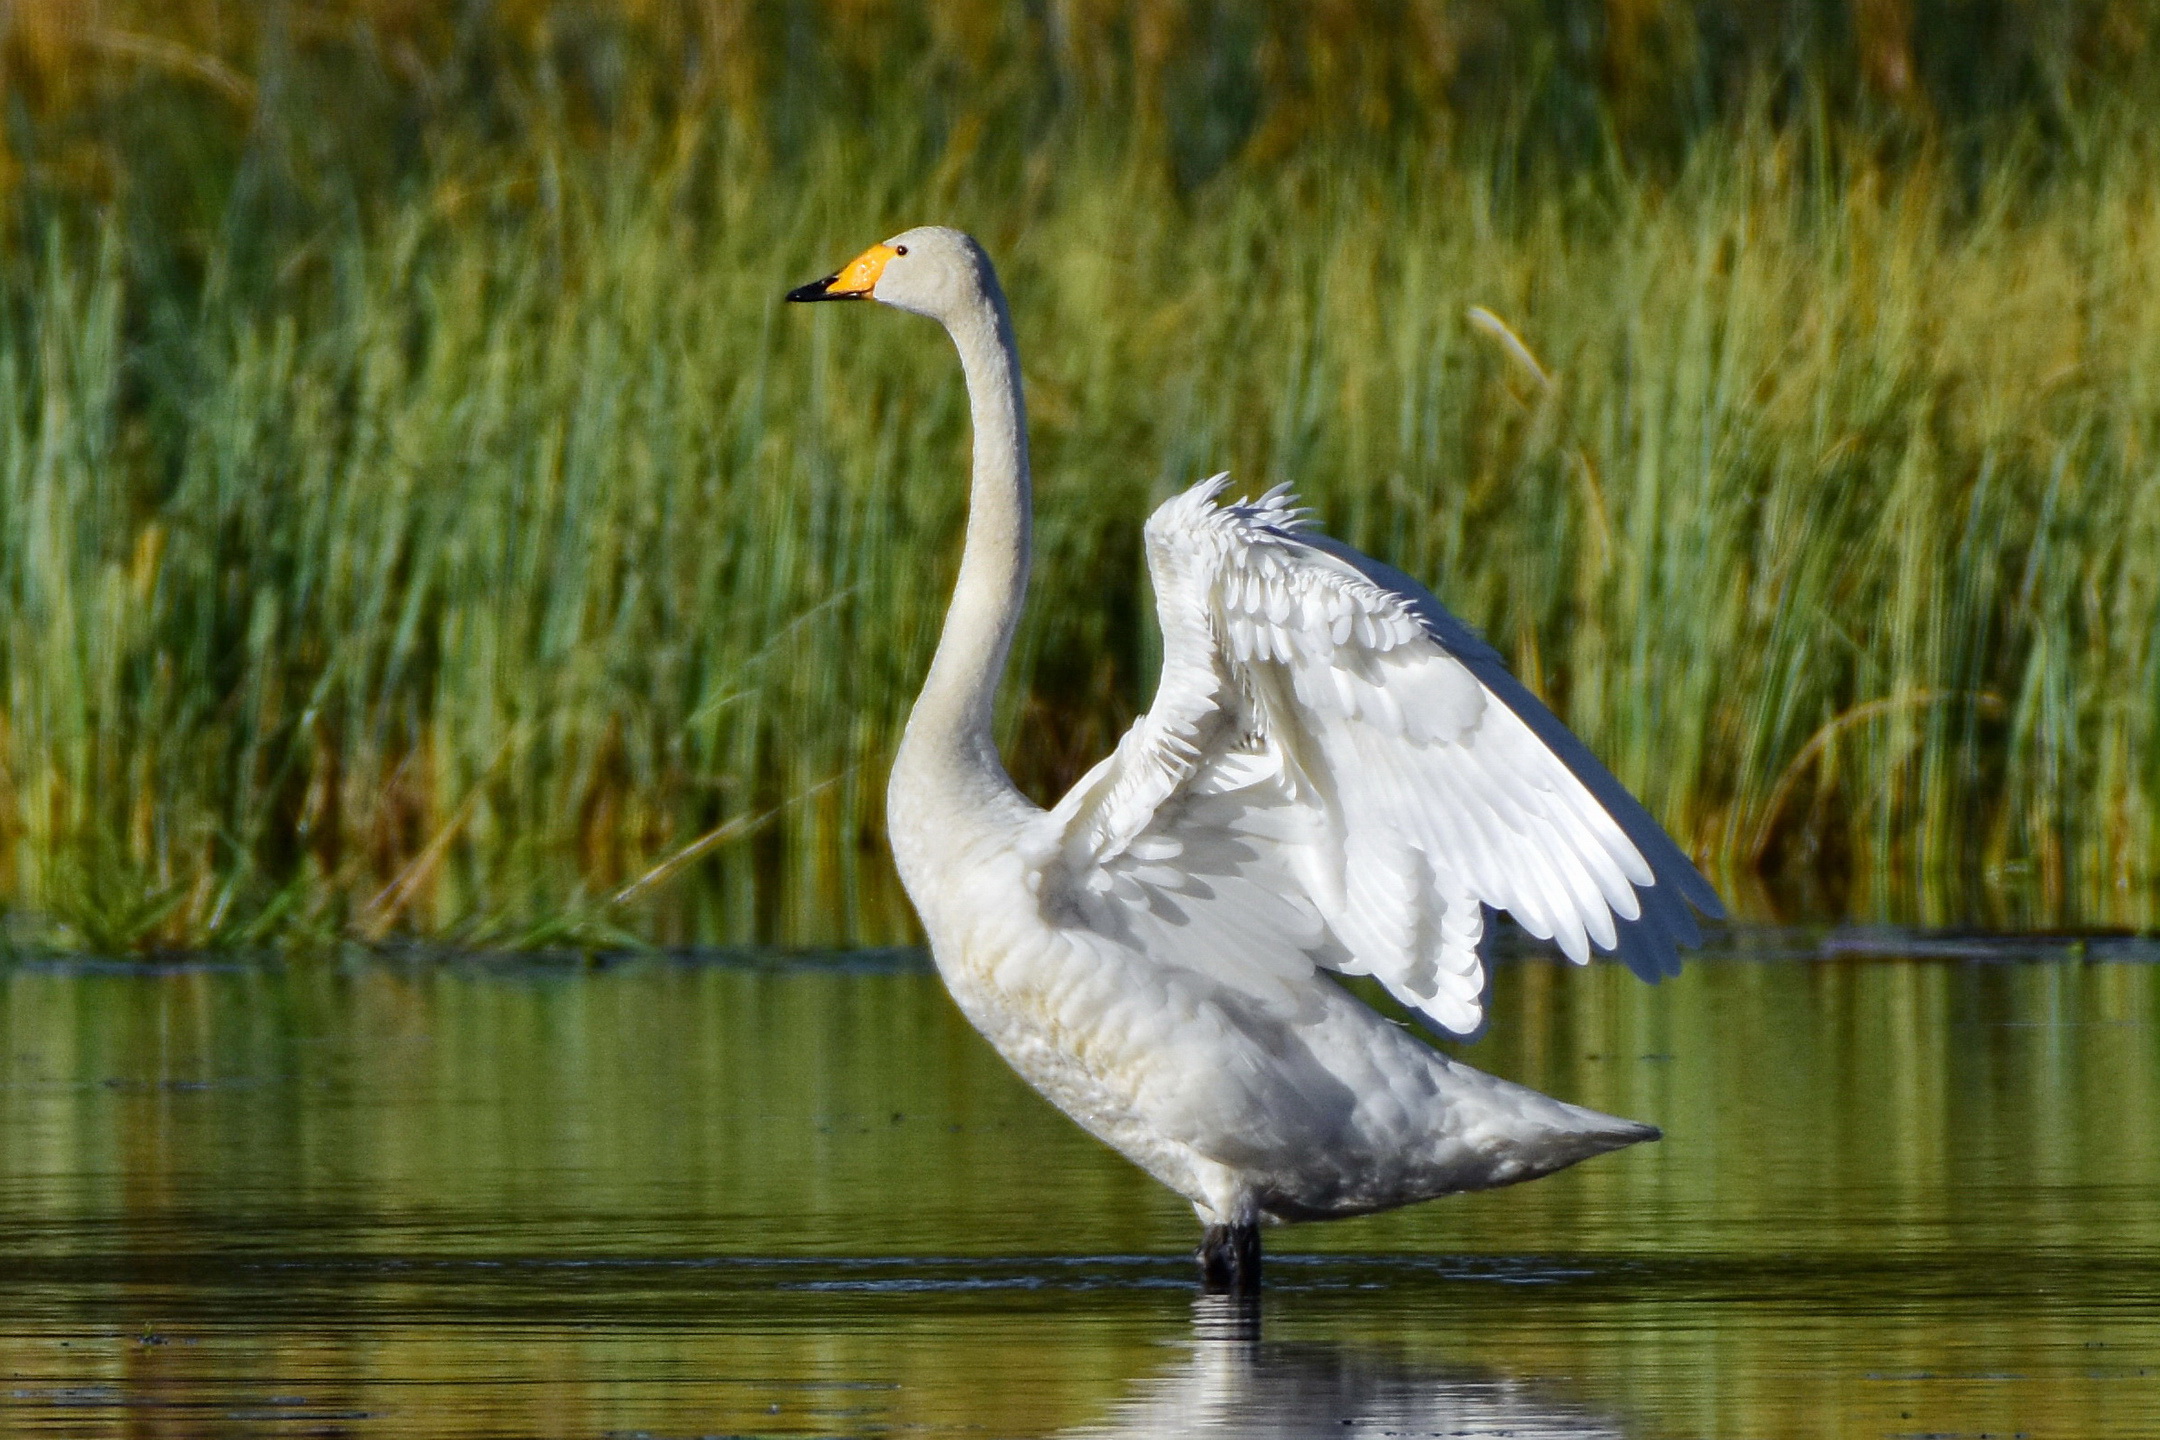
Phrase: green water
(1896,1198)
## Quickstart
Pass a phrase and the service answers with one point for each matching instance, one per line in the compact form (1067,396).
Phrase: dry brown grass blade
(382,912)
(1789,779)
(739,828)
(177,59)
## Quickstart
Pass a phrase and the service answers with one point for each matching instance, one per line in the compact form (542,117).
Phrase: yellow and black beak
(855,281)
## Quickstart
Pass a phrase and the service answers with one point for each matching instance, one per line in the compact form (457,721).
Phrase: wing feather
(1336,772)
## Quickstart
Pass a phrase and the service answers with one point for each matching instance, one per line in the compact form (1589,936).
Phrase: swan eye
(899,249)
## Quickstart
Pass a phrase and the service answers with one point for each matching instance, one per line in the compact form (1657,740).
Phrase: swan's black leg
(1229,1258)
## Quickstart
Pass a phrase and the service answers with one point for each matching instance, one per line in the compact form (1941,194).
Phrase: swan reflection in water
(1234,1383)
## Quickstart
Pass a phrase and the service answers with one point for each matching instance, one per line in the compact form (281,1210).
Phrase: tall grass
(489,557)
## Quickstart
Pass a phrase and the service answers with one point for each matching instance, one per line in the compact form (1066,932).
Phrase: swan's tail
(1512,1133)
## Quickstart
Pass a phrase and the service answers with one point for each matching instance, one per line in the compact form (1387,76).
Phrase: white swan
(1336,775)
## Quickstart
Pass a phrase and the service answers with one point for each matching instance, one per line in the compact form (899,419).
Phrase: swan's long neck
(948,784)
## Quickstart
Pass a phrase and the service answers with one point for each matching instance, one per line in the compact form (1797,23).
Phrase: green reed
(504,564)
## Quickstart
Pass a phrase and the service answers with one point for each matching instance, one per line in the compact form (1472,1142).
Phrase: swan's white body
(1336,775)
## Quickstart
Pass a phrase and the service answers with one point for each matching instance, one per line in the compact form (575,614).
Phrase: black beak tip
(818,290)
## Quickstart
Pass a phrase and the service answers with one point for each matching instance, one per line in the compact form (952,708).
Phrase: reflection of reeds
(447,553)
(1932,1175)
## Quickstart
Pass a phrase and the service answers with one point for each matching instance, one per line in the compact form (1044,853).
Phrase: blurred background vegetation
(417,517)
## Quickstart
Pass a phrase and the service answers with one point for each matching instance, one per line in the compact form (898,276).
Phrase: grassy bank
(491,558)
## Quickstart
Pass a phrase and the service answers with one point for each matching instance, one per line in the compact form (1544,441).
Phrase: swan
(1336,777)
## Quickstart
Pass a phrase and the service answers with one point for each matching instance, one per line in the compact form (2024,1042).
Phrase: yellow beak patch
(860,275)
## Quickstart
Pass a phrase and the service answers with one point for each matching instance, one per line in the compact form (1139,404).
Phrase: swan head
(929,270)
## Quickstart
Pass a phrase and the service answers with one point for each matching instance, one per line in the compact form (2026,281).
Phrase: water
(1907,1198)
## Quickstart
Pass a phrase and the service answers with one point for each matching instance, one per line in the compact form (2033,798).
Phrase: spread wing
(1338,773)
